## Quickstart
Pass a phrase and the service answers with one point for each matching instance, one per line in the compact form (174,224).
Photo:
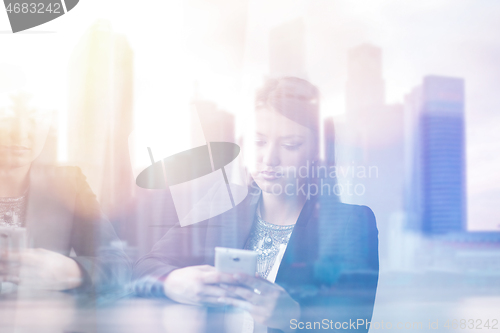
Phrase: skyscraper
(100,115)
(218,125)
(436,192)
(371,141)
(287,50)
(365,86)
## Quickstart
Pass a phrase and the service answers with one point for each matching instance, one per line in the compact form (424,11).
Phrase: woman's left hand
(268,303)
(43,269)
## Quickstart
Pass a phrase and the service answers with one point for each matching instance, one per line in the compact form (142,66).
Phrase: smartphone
(233,261)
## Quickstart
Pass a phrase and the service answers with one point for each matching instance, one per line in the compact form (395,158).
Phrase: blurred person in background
(317,257)
(70,243)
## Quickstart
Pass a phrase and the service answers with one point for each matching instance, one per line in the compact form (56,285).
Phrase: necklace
(266,239)
(12,211)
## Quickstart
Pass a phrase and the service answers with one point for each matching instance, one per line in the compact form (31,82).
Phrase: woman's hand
(41,269)
(268,303)
(197,285)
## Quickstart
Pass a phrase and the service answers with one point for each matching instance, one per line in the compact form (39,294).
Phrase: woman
(56,207)
(317,257)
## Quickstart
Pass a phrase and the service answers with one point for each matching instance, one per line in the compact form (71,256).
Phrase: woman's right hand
(197,285)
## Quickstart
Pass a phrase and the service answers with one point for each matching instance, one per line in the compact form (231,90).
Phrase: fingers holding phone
(197,285)
(268,303)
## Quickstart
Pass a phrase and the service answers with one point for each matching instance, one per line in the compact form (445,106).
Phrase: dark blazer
(63,214)
(330,265)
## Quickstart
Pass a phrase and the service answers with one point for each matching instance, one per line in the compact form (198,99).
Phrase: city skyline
(411,50)
(368,193)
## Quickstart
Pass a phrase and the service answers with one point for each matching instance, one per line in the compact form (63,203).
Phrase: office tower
(100,115)
(370,122)
(365,91)
(217,125)
(371,145)
(329,141)
(436,193)
(287,50)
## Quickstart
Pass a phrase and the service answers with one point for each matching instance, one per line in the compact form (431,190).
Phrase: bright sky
(418,37)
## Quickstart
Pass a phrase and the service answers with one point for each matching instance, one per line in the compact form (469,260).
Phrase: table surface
(59,312)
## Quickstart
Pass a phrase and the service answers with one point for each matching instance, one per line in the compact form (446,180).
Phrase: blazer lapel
(302,246)
(246,219)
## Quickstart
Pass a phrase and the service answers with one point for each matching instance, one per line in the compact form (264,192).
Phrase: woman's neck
(13,181)
(281,210)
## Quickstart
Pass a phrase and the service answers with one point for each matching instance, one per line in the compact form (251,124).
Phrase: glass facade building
(436,147)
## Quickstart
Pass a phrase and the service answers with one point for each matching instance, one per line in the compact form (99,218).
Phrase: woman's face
(284,150)
(22,135)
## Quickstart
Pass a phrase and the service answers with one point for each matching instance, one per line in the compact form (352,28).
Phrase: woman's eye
(260,143)
(292,146)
